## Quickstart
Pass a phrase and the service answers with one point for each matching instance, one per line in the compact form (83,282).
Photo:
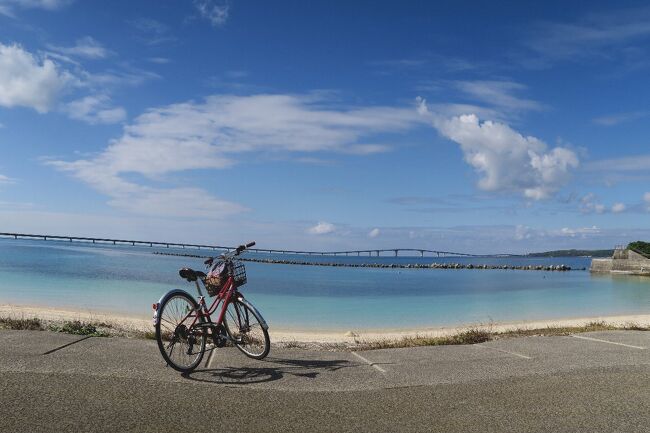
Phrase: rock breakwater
(435,265)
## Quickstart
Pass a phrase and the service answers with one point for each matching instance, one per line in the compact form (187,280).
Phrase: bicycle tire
(165,334)
(244,327)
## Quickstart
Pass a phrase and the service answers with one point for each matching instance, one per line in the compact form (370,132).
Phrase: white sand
(286,335)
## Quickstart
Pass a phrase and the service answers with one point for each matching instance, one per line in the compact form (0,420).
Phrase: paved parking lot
(587,382)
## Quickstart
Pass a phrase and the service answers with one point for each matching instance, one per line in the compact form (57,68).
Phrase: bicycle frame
(225,295)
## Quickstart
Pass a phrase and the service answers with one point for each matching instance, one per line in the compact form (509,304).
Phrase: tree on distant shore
(640,247)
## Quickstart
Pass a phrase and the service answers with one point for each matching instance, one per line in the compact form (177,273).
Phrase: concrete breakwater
(624,261)
(434,265)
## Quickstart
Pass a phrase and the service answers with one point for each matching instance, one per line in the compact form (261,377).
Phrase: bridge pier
(421,253)
(396,251)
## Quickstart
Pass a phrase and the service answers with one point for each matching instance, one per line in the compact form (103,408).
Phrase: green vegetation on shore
(479,335)
(640,247)
(573,253)
(475,335)
(68,327)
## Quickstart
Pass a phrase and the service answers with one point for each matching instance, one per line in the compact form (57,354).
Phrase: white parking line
(503,351)
(370,363)
(608,342)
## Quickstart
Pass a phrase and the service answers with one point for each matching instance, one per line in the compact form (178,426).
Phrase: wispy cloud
(151,31)
(595,35)
(95,109)
(86,47)
(624,164)
(7,6)
(617,119)
(5,180)
(500,94)
(215,11)
(211,134)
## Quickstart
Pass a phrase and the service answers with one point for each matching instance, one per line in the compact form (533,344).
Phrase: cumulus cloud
(374,233)
(95,109)
(618,207)
(322,228)
(27,81)
(86,47)
(216,12)
(505,159)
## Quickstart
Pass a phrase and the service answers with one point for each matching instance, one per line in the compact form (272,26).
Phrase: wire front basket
(239,273)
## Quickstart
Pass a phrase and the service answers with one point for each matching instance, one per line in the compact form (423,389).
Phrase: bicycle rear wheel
(181,345)
(244,327)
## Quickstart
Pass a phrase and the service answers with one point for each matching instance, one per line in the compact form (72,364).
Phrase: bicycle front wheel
(244,327)
(182,346)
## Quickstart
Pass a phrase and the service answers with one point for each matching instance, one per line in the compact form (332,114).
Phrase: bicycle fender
(243,300)
(164,299)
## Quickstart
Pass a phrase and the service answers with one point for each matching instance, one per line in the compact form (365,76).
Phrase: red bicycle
(183,324)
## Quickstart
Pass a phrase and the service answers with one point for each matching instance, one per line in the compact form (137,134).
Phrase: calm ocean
(127,280)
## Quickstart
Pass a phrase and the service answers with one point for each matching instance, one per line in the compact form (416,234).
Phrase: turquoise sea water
(127,280)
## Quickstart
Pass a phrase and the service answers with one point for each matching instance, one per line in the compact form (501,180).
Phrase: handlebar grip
(250,244)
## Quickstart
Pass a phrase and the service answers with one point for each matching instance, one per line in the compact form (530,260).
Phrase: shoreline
(289,336)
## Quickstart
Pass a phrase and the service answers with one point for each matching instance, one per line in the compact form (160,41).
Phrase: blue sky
(327,125)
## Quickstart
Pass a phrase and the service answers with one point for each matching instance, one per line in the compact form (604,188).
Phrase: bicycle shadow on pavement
(277,369)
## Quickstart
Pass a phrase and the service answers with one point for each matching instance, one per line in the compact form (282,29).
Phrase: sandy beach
(280,335)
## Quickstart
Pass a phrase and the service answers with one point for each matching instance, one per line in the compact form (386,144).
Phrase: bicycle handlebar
(237,251)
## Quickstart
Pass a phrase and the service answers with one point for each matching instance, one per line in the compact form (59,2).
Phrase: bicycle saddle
(190,274)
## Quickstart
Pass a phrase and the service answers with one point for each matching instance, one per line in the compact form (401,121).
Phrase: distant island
(573,253)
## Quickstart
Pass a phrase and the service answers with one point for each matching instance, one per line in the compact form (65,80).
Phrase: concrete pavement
(587,382)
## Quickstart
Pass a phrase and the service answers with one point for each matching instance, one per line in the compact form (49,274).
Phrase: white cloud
(506,160)
(590,204)
(211,134)
(616,119)
(214,11)
(86,47)
(28,81)
(7,6)
(4,180)
(500,94)
(628,163)
(374,233)
(159,60)
(577,232)
(646,198)
(152,32)
(594,35)
(618,207)
(523,232)
(95,109)
(322,228)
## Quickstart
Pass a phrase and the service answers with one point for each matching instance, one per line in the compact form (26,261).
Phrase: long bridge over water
(369,252)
